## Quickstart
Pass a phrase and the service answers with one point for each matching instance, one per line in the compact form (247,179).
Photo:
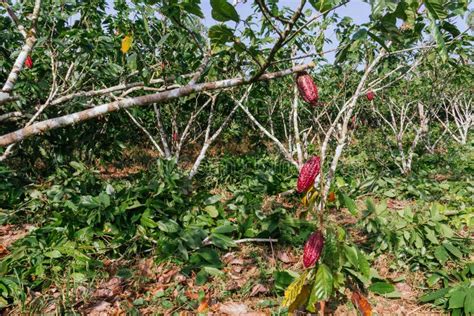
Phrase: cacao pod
(313,248)
(370,95)
(307,88)
(175,137)
(308,174)
(29,62)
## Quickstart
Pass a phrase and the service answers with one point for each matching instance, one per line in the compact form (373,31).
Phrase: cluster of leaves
(424,239)
(419,239)
(81,219)
(457,292)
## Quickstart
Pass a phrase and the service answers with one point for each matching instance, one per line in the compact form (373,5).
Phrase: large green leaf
(434,15)
(381,288)
(323,285)
(436,8)
(221,34)
(434,295)
(456,300)
(223,11)
(323,5)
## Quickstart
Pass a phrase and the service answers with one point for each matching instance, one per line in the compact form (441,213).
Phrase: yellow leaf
(300,300)
(304,200)
(126,43)
(293,290)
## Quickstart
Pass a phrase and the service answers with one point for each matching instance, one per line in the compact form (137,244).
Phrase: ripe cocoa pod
(175,137)
(370,95)
(313,248)
(307,88)
(308,174)
(29,62)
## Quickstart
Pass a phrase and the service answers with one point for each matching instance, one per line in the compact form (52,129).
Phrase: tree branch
(161,97)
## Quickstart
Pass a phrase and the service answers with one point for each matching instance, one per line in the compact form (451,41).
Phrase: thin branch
(144,130)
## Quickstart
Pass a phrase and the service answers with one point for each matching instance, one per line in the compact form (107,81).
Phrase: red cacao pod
(370,95)
(175,137)
(313,248)
(308,174)
(29,62)
(307,88)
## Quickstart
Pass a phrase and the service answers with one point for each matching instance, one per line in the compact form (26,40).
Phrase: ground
(245,285)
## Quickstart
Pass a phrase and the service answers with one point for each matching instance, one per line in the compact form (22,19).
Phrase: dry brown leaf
(284,257)
(99,309)
(258,289)
(3,251)
(203,306)
(361,303)
(233,309)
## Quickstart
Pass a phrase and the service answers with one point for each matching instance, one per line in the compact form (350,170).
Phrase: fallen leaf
(99,308)
(233,309)
(257,289)
(203,306)
(3,251)
(361,303)
(284,257)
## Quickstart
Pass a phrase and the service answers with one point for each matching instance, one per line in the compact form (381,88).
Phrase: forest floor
(244,286)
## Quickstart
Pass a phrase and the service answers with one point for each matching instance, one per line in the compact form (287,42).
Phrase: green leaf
(378,40)
(223,11)
(193,7)
(349,203)
(436,8)
(434,295)
(78,277)
(221,34)
(168,226)
(213,271)
(284,278)
(351,255)
(438,37)
(212,211)
(212,199)
(453,249)
(363,264)
(441,254)
(430,235)
(381,288)
(53,254)
(469,301)
(222,241)
(323,5)
(224,229)
(456,299)
(323,285)
(132,62)
(146,220)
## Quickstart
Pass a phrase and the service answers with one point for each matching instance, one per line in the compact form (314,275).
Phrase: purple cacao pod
(307,88)
(308,174)
(313,248)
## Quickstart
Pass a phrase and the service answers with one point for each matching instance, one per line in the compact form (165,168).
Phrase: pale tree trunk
(161,97)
